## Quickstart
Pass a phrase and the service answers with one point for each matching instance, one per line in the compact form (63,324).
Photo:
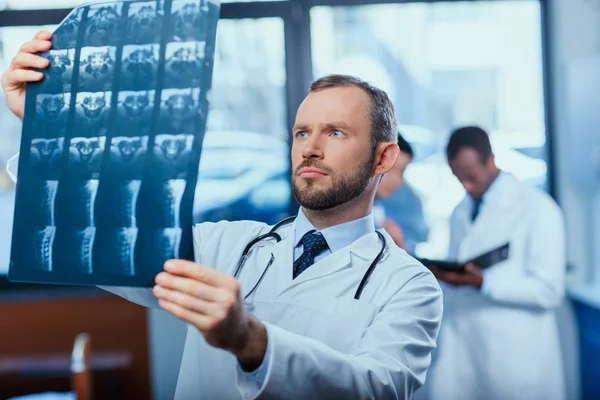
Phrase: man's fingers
(190,303)
(35,45)
(201,273)
(470,267)
(27,60)
(200,321)
(19,76)
(192,287)
(43,35)
(453,277)
(447,276)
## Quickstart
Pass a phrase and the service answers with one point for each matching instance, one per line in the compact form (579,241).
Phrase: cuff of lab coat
(486,286)
(251,384)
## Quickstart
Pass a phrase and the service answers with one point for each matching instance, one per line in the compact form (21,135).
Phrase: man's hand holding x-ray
(211,301)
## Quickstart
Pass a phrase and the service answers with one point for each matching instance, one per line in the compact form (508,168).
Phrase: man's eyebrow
(328,125)
(300,127)
(338,124)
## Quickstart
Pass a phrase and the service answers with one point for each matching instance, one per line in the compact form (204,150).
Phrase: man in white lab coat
(296,321)
(499,339)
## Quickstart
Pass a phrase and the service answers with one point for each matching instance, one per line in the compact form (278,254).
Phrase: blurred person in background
(499,336)
(398,209)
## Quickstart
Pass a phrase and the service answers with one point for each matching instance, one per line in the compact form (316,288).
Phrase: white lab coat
(325,344)
(501,342)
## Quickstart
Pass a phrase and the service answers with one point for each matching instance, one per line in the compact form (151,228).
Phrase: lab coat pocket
(347,322)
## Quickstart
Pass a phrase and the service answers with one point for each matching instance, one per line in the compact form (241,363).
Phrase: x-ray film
(112,139)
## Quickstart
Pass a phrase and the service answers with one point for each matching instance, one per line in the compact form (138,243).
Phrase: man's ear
(491,161)
(388,153)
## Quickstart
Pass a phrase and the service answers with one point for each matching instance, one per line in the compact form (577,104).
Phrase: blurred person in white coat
(332,308)
(499,338)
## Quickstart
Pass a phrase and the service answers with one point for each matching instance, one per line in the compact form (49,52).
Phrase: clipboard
(484,261)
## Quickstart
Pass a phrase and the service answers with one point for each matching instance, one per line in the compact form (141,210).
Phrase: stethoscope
(274,235)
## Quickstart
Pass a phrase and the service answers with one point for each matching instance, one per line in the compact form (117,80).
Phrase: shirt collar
(495,189)
(338,236)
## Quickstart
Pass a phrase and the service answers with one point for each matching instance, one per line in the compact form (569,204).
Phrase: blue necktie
(313,244)
(476,206)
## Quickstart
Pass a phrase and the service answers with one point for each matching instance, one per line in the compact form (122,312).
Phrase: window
(249,90)
(245,158)
(446,65)
(459,11)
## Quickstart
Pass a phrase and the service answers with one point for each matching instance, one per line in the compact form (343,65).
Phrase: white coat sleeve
(390,362)
(142,296)
(455,236)
(540,283)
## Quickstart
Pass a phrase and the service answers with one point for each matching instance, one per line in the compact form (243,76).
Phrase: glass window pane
(445,65)
(245,160)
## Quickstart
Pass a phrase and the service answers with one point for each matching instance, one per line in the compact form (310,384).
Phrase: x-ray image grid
(111,144)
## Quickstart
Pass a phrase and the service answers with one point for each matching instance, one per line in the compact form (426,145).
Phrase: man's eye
(336,133)
(301,134)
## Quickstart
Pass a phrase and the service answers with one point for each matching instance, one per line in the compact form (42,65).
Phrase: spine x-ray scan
(112,139)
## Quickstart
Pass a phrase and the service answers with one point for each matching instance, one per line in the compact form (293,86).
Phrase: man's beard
(343,187)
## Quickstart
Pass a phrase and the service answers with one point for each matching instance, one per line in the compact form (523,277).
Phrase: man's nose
(313,147)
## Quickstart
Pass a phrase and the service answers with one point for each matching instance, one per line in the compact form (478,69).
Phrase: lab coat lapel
(367,248)
(284,259)
(257,264)
(492,214)
(362,251)
(328,265)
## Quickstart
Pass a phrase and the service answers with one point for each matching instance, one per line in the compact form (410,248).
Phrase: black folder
(483,261)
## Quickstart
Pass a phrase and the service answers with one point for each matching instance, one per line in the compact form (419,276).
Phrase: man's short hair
(383,117)
(471,137)
(405,147)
